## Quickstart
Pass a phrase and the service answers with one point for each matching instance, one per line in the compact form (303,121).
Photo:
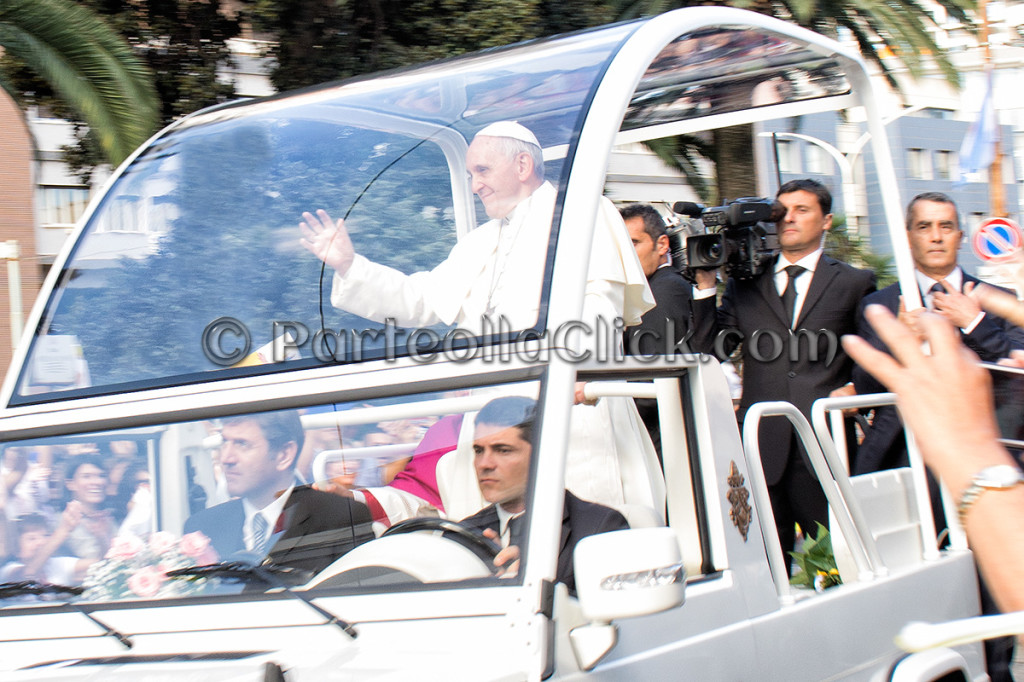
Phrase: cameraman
(668,327)
(789,319)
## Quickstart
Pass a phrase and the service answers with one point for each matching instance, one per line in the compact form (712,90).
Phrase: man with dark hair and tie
(789,319)
(502,437)
(933,229)
(272,515)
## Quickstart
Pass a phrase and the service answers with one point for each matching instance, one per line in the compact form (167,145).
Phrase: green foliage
(177,44)
(684,153)
(85,63)
(232,244)
(816,562)
(842,245)
(325,40)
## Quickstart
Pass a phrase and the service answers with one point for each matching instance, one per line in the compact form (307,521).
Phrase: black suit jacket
(314,529)
(884,446)
(782,365)
(579,519)
(670,321)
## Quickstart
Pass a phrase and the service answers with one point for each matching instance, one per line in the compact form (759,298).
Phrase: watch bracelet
(971,495)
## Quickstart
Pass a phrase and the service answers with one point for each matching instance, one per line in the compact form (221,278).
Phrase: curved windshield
(194,261)
(314,497)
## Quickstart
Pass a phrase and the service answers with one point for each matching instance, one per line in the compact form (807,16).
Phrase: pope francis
(498,269)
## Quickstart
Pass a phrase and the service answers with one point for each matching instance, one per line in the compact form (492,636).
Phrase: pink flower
(162,541)
(124,547)
(146,581)
(197,546)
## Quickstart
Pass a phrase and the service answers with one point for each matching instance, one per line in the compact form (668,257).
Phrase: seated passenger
(293,525)
(35,560)
(502,448)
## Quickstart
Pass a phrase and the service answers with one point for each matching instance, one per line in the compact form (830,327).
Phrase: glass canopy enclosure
(189,267)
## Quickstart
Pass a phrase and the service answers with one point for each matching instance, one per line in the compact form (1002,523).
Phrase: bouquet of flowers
(137,569)
(817,563)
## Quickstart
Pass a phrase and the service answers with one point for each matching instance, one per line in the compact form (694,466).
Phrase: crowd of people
(63,505)
(63,508)
(961,320)
(804,293)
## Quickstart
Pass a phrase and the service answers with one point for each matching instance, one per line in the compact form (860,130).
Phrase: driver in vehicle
(271,515)
(501,456)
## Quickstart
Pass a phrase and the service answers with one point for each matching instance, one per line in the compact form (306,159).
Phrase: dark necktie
(259,534)
(937,288)
(515,531)
(789,295)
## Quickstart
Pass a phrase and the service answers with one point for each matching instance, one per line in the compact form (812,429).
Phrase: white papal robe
(499,268)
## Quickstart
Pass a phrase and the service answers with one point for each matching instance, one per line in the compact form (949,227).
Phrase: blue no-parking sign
(997,239)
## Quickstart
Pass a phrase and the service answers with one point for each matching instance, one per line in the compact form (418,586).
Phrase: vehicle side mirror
(623,574)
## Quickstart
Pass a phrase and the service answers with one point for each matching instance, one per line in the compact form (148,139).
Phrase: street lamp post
(845,174)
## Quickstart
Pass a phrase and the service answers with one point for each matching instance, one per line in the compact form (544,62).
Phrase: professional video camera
(740,236)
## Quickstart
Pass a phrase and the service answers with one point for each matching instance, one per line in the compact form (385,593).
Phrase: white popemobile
(185,305)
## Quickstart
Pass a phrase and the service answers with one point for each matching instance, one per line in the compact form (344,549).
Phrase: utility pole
(997,192)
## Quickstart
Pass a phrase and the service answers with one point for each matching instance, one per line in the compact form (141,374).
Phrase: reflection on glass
(729,69)
(202,228)
(303,493)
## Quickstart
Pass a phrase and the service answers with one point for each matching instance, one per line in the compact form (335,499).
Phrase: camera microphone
(688,208)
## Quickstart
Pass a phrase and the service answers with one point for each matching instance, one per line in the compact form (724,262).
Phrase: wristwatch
(999,477)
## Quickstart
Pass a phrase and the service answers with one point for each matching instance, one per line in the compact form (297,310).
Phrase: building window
(944,165)
(61,205)
(918,165)
(818,160)
(789,159)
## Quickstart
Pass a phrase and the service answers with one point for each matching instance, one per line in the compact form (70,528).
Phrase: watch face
(1002,476)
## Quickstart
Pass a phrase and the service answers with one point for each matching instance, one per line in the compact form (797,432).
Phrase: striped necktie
(260,534)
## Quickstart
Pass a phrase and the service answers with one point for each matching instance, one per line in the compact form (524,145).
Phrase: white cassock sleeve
(378,292)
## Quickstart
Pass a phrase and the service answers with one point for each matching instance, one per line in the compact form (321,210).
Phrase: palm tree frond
(88,65)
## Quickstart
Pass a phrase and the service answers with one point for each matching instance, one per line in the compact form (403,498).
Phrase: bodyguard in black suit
(933,228)
(293,525)
(799,361)
(501,457)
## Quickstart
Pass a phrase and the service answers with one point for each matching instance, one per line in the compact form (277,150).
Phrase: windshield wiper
(24,587)
(267,573)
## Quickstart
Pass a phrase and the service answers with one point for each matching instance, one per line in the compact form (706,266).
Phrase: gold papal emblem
(738,496)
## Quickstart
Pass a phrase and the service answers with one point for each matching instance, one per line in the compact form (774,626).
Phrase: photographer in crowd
(789,318)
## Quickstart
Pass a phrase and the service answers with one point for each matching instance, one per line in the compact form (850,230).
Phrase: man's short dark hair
(654,224)
(808,185)
(937,197)
(508,411)
(279,428)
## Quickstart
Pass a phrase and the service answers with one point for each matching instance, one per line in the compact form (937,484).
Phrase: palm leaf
(88,65)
